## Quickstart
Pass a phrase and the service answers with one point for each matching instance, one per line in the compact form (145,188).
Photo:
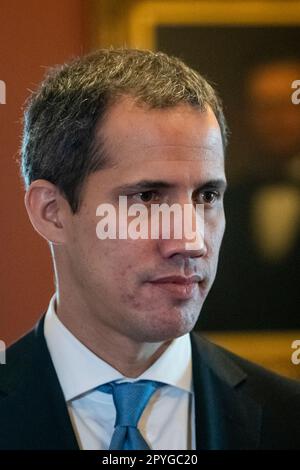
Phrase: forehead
(140,139)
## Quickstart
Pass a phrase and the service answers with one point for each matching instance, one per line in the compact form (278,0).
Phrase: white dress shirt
(168,419)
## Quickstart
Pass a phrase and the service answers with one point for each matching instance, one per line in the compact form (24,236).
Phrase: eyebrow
(147,185)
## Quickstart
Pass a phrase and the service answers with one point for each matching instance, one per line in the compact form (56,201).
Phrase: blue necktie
(130,399)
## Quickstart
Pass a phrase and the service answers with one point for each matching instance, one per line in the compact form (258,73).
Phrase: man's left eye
(209,197)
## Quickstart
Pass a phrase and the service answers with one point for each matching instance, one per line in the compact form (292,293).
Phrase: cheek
(221,229)
(131,298)
(105,265)
(214,231)
(117,259)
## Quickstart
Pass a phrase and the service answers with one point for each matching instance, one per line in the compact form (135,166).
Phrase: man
(113,363)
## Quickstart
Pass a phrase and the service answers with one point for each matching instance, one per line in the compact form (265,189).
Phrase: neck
(130,357)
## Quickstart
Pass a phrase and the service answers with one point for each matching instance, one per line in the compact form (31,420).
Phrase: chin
(166,329)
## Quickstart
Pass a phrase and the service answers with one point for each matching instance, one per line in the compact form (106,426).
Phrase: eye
(146,196)
(209,197)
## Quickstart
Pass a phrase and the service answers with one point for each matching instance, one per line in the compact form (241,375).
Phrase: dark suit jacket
(238,405)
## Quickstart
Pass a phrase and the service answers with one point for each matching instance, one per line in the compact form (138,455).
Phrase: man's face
(123,283)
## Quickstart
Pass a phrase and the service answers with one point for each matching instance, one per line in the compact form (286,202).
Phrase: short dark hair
(62,115)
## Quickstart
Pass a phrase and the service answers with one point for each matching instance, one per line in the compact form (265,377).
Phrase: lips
(180,287)
(178,279)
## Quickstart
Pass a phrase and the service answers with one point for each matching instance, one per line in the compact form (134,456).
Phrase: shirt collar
(79,370)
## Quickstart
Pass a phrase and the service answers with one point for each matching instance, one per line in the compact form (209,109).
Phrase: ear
(48,210)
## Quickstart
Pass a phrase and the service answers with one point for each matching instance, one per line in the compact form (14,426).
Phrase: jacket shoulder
(256,377)
(19,357)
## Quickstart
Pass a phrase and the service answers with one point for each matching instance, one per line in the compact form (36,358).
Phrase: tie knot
(130,399)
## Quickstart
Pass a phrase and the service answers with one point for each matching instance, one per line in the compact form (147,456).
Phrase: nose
(192,242)
(185,248)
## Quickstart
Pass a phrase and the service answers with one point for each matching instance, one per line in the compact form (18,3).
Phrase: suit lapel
(226,416)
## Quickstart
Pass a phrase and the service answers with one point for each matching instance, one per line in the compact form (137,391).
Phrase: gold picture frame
(132,23)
